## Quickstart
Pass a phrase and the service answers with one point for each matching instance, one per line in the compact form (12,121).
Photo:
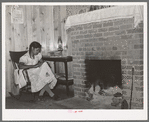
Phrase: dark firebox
(105,73)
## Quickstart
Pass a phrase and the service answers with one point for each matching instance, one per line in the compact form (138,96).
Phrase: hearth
(105,73)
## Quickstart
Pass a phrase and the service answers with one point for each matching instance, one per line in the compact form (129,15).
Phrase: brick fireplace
(109,40)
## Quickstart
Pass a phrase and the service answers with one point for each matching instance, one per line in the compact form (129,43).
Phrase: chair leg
(18,97)
(34,96)
(67,90)
(14,96)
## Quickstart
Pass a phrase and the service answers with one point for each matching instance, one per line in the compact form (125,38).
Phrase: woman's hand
(41,60)
(38,64)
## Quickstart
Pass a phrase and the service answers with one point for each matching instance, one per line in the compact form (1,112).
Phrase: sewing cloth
(110,13)
(41,76)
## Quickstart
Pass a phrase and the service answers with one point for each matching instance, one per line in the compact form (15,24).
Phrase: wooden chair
(26,90)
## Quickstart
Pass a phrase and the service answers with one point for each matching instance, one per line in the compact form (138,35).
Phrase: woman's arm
(23,66)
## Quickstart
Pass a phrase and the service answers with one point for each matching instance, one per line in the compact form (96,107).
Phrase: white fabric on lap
(39,77)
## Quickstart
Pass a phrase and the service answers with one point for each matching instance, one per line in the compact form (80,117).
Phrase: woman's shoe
(41,98)
(56,97)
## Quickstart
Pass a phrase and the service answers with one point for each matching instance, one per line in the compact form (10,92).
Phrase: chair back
(15,56)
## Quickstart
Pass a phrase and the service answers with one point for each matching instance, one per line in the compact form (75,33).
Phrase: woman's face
(36,51)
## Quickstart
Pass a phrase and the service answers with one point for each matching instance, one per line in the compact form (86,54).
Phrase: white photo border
(87,114)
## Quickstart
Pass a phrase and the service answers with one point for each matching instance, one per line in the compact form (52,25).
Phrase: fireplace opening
(105,73)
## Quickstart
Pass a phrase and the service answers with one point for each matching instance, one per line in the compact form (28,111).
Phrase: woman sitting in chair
(40,75)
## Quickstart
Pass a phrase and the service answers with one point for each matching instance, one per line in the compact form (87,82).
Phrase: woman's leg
(42,92)
(46,88)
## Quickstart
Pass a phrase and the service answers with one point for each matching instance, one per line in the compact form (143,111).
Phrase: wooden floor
(48,103)
(66,102)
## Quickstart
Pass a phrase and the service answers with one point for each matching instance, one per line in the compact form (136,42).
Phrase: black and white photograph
(74,61)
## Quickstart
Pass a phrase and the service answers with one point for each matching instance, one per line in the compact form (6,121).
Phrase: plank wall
(37,26)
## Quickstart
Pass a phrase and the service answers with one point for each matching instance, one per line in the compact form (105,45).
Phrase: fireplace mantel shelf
(106,14)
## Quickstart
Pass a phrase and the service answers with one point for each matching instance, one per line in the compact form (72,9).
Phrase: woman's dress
(41,76)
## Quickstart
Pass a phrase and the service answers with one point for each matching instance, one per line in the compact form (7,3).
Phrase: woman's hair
(34,44)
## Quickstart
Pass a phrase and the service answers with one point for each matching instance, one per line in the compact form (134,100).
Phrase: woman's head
(35,48)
